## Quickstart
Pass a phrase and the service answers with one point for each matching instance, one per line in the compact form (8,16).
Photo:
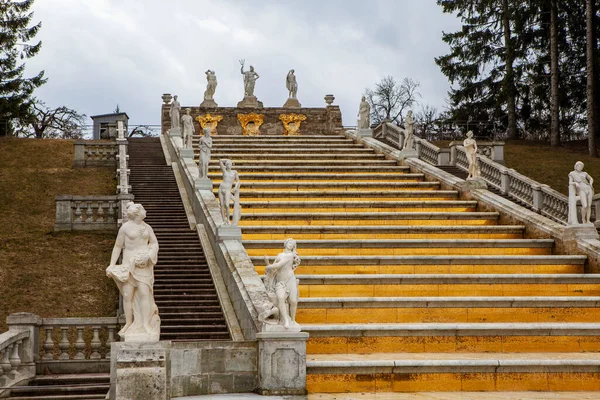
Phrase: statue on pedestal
(231,180)
(292,87)
(282,285)
(205,145)
(471,152)
(174,113)
(135,276)
(250,78)
(580,187)
(409,131)
(188,128)
(211,86)
(364,114)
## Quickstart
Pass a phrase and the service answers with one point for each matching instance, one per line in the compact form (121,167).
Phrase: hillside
(47,273)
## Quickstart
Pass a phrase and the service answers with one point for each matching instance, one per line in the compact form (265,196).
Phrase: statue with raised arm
(291,84)
(250,78)
(282,285)
(188,128)
(231,180)
(135,276)
(409,131)
(174,113)
(580,186)
(471,151)
(364,114)
(206,143)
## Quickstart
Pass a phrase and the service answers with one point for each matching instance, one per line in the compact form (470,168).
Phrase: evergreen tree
(16,34)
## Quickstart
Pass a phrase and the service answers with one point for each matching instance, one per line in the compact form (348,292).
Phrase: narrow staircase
(64,387)
(183,288)
(404,286)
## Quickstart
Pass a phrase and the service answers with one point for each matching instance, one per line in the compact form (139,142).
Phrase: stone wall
(319,121)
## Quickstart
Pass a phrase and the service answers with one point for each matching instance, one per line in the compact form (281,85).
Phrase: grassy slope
(50,274)
(540,162)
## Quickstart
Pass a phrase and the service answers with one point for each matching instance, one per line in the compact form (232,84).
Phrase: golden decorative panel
(251,123)
(210,121)
(291,123)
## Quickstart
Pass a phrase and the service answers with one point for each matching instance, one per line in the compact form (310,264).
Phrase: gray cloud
(102,52)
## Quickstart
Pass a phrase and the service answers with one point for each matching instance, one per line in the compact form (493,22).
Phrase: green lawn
(50,274)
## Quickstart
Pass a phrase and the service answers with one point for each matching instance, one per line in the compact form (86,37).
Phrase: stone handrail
(245,287)
(390,133)
(15,366)
(89,213)
(95,154)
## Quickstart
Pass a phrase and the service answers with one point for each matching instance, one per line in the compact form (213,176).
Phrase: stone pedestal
(250,102)
(140,370)
(365,132)
(186,153)
(579,232)
(292,103)
(209,103)
(176,135)
(282,363)
(203,184)
(408,153)
(229,232)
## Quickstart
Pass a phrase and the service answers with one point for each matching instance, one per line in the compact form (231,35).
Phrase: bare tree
(427,117)
(390,99)
(61,122)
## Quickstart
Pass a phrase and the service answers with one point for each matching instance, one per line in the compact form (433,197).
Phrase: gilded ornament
(291,123)
(210,121)
(251,123)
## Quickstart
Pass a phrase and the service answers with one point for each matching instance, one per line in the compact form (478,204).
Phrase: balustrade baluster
(96,344)
(80,344)
(5,363)
(15,359)
(100,212)
(111,212)
(78,213)
(48,345)
(111,338)
(64,344)
(90,212)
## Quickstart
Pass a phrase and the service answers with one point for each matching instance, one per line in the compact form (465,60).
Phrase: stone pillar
(538,197)
(30,349)
(79,157)
(175,134)
(123,199)
(498,152)
(505,180)
(63,213)
(453,153)
(596,207)
(282,363)
(443,157)
(140,370)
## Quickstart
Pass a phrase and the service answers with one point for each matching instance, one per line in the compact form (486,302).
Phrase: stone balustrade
(89,213)
(14,366)
(95,154)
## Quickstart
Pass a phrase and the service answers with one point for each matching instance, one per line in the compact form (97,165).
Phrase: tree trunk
(554,102)
(509,79)
(591,76)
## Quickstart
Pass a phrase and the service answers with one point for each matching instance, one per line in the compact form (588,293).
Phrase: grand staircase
(404,286)
(183,289)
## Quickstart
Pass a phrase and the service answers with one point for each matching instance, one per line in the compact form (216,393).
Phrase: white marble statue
(205,145)
(409,131)
(174,113)
(471,151)
(291,84)
(580,187)
(188,128)
(364,114)
(135,276)
(250,78)
(282,285)
(211,85)
(229,185)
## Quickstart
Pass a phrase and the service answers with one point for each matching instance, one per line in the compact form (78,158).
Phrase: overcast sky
(97,53)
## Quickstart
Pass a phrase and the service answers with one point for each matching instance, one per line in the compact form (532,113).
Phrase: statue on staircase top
(211,86)
(580,187)
(364,114)
(250,78)
(174,113)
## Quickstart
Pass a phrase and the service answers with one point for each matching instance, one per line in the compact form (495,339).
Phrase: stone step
(314,157)
(298,232)
(326,163)
(360,186)
(333,177)
(281,169)
(233,151)
(500,337)
(448,309)
(341,195)
(448,285)
(359,206)
(190,336)
(443,372)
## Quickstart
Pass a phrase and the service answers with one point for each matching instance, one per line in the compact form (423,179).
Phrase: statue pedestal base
(250,102)
(186,153)
(292,103)
(141,338)
(176,135)
(229,232)
(295,327)
(282,363)
(581,231)
(365,132)
(209,103)
(203,184)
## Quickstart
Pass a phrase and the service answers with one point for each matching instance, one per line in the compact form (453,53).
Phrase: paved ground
(414,396)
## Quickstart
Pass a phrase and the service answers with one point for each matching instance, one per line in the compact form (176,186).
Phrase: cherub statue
(231,181)
(471,151)
(580,186)
(282,285)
